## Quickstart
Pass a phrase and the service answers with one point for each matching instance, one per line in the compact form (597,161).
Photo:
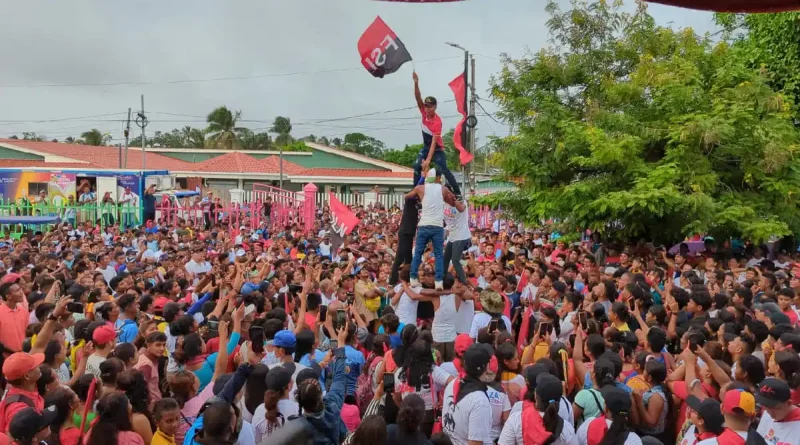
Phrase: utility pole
(141,121)
(472,102)
(123,159)
(280,181)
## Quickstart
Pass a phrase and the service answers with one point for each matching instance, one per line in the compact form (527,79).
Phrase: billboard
(15,185)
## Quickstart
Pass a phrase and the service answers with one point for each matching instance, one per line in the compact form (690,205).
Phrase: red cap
(20,363)
(10,278)
(160,303)
(104,334)
(463,342)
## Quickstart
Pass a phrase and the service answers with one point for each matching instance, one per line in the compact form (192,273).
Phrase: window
(34,188)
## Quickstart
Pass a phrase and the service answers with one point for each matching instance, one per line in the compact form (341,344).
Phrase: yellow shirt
(73,357)
(159,438)
(623,327)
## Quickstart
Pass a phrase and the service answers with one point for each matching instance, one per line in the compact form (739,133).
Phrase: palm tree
(69,140)
(283,128)
(336,142)
(222,128)
(95,137)
(324,141)
(193,137)
(250,140)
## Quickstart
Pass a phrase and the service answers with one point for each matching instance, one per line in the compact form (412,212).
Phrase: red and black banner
(459,87)
(735,5)
(381,51)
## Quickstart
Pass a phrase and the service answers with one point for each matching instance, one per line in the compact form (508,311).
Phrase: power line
(213,79)
(43,121)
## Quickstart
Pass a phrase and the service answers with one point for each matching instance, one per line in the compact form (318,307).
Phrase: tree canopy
(645,131)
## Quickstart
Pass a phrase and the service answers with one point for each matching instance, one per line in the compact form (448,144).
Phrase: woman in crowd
(277,407)
(254,391)
(539,418)
(509,371)
(589,402)
(114,424)
(410,419)
(134,385)
(62,429)
(613,428)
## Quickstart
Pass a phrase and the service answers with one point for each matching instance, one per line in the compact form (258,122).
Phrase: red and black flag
(459,87)
(735,5)
(381,51)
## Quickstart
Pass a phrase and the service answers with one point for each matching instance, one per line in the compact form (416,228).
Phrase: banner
(734,5)
(459,87)
(343,219)
(381,51)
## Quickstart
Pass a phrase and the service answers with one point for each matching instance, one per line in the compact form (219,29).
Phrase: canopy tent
(735,5)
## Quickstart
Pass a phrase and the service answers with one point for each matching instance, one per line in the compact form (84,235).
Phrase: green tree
(95,137)
(324,141)
(69,140)
(336,142)
(250,140)
(296,146)
(770,42)
(641,130)
(282,126)
(406,157)
(363,145)
(193,137)
(26,136)
(222,128)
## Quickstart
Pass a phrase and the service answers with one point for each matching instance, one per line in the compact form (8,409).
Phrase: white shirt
(246,435)
(564,410)
(464,318)
(512,432)
(783,433)
(469,419)
(529,293)
(458,225)
(198,268)
(632,438)
(438,376)
(285,407)
(324,249)
(481,320)
(108,273)
(432,213)
(566,326)
(500,404)
(406,309)
(443,328)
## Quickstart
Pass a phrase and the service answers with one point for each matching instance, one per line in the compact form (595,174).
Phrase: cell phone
(632,303)
(341,318)
(323,313)
(334,344)
(75,307)
(213,325)
(583,319)
(388,382)
(492,326)
(545,328)
(257,339)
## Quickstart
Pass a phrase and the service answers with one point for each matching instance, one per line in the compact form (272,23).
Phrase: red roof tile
(102,156)
(29,163)
(238,162)
(354,172)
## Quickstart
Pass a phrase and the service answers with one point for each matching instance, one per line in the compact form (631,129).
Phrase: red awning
(735,5)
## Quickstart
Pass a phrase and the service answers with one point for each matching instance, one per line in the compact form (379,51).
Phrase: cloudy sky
(71,66)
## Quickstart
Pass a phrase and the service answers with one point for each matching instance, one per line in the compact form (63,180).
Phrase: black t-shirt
(410,218)
(149,203)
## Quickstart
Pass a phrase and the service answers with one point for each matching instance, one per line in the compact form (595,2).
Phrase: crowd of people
(413,329)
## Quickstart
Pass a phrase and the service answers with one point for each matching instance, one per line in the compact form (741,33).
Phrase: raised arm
(417,94)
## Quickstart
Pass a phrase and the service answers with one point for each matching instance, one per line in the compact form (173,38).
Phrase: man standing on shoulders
(432,145)
(458,238)
(431,225)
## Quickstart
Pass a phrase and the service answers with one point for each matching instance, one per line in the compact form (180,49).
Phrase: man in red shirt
(14,314)
(432,144)
(21,371)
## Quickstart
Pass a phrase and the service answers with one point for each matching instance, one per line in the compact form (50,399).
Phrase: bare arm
(417,94)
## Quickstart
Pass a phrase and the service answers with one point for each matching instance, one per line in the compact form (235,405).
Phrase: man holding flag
(432,145)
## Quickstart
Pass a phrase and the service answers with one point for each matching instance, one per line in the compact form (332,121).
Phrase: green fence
(103,214)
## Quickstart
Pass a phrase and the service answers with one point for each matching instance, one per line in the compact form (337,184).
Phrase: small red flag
(381,50)
(735,5)
(459,87)
(344,221)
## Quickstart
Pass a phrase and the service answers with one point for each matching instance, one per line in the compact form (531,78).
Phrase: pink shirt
(150,372)
(350,416)
(190,410)
(12,326)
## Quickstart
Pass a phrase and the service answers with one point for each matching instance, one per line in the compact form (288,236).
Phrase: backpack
(364,392)
(14,398)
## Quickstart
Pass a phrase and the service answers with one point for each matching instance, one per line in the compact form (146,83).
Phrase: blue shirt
(354,360)
(205,372)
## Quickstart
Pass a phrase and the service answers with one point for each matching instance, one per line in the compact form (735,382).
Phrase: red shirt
(431,128)
(14,408)
(12,326)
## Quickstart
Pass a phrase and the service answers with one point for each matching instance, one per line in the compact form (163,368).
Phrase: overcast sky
(294,58)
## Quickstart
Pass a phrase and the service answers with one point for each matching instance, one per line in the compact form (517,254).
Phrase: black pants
(405,254)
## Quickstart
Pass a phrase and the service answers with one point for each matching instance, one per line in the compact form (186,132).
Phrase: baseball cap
(10,278)
(284,339)
(772,392)
(27,423)
(20,363)
(312,372)
(709,411)
(617,400)
(779,318)
(103,334)
(737,401)
(609,270)
(476,359)
(463,342)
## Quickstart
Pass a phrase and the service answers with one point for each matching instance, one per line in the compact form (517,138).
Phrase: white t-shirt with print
(439,378)
(469,419)
(500,404)
(783,433)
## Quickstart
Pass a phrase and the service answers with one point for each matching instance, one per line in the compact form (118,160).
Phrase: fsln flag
(381,51)
(459,87)
(343,219)
(739,6)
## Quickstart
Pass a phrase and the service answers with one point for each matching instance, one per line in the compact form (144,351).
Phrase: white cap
(432,173)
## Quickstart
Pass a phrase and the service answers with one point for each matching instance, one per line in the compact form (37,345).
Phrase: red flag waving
(459,87)
(381,51)
(735,5)
(344,221)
